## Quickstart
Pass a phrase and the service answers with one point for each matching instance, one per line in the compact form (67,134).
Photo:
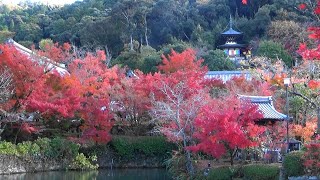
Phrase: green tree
(45,42)
(217,60)
(274,51)
(262,20)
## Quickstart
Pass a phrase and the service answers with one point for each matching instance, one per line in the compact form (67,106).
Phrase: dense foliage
(195,113)
(125,27)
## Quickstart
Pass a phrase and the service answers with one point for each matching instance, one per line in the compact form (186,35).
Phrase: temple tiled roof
(227,75)
(51,65)
(265,105)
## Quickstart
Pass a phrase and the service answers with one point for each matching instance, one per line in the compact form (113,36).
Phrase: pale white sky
(58,2)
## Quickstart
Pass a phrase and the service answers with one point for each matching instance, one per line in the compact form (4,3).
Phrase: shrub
(44,145)
(8,148)
(153,145)
(62,148)
(221,173)
(28,148)
(83,163)
(312,158)
(293,164)
(261,172)
(122,147)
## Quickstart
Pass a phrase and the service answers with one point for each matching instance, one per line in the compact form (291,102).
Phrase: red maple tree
(177,97)
(226,125)
(82,94)
(93,79)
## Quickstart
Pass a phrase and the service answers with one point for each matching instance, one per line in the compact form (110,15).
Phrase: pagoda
(233,50)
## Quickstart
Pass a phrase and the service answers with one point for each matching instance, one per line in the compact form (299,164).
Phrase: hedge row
(127,146)
(248,172)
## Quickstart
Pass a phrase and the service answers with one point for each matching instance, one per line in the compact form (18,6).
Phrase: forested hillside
(136,33)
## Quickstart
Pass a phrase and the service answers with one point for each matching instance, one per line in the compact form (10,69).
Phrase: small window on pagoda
(237,51)
(231,52)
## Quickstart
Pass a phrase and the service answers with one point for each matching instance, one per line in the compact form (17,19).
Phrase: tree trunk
(318,118)
(232,155)
(109,56)
(189,165)
(131,42)
(146,31)
(231,158)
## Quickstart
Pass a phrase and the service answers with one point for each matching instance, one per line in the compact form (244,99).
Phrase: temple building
(236,52)
(266,107)
(264,103)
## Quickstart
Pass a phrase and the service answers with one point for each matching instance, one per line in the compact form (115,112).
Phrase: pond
(115,174)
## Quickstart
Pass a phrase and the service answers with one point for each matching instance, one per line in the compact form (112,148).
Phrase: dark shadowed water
(115,174)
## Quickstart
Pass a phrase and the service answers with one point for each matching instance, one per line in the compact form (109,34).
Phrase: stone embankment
(14,164)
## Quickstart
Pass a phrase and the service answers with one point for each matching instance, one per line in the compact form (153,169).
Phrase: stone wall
(13,164)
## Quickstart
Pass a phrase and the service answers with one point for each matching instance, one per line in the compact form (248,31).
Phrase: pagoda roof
(231,32)
(232,45)
(265,106)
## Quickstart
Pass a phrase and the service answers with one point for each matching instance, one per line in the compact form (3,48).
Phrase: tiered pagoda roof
(231,36)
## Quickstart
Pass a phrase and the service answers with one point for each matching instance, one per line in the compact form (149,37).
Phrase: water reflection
(115,174)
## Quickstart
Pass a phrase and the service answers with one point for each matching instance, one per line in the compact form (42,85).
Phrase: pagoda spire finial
(230,22)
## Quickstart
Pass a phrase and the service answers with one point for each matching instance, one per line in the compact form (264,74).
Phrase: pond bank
(10,164)
(101,174)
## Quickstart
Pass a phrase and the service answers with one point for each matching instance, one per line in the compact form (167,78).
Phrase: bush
(83,163)
(153,146)
(8,148)
(122,147)
(28,148)
(261,172)
(147,145)
(44,145)
(293,164)
(62,148)
(221,173)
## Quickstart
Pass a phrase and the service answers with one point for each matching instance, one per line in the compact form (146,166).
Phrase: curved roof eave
(231,32)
